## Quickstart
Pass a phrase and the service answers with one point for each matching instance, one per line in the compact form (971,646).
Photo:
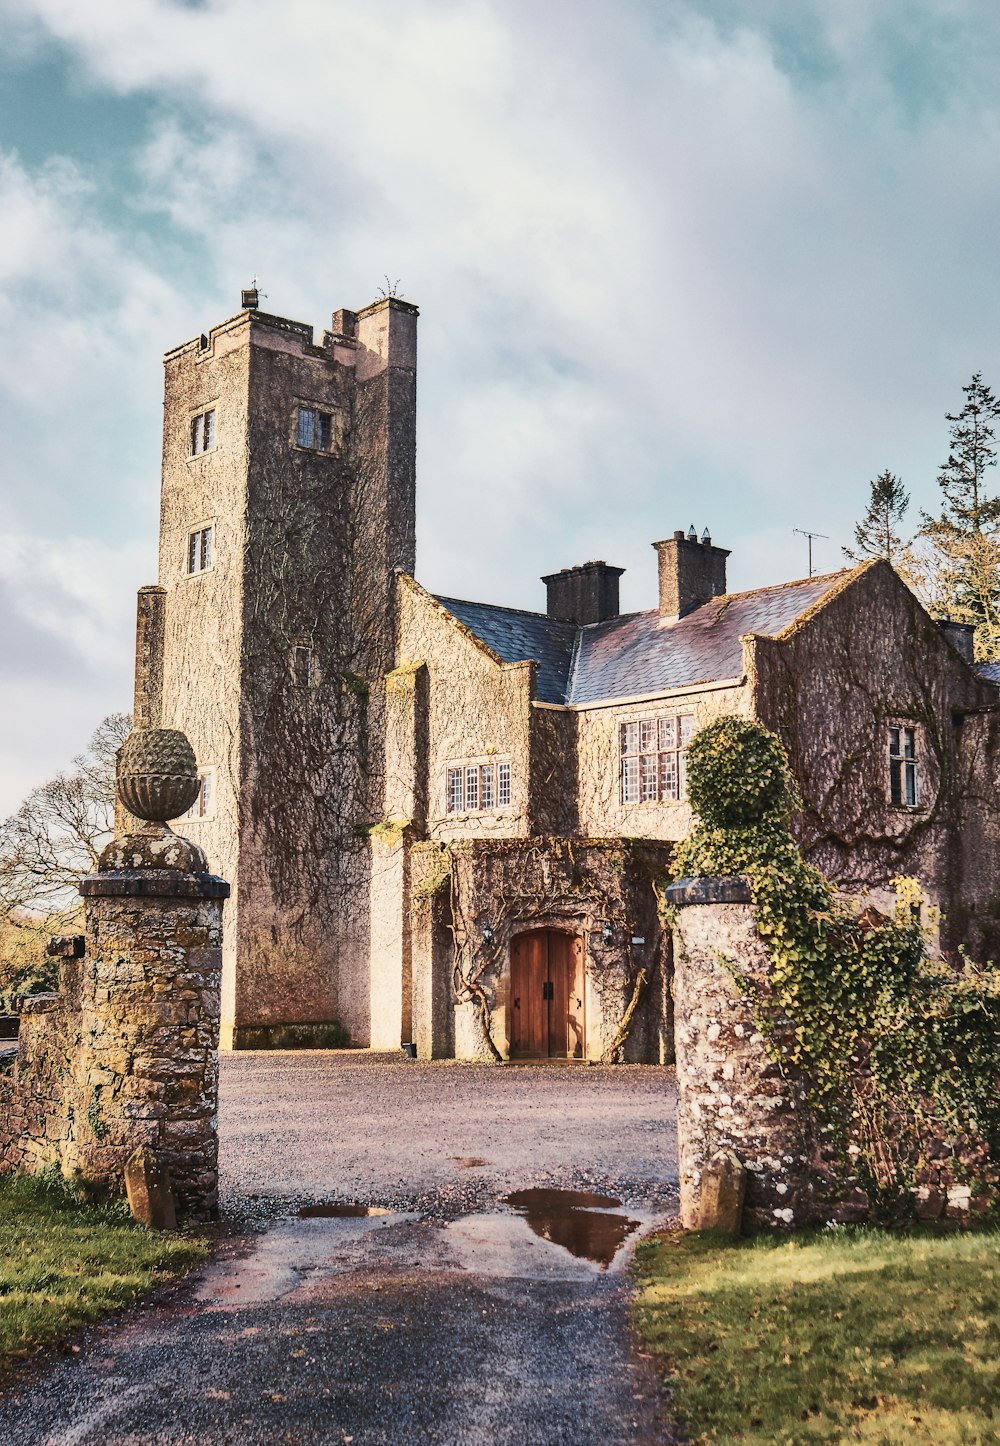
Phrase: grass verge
(65,1261)
(835,1335)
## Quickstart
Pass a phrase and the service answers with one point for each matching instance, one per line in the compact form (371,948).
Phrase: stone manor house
(447,822)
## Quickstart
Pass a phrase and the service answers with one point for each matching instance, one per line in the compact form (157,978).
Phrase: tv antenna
(810,535)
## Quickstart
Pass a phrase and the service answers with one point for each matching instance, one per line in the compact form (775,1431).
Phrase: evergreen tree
(962,479)
(966,534)
(875,535)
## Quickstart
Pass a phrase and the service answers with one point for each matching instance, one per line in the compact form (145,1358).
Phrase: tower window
(314,429)
(203,433)
(199,550)
(204,804)
(303,665)
(903,767)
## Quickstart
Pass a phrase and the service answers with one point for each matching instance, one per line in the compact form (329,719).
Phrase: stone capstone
(158,850)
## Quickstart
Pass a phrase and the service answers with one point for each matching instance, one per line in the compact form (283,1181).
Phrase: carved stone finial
(157,781)
(157,774)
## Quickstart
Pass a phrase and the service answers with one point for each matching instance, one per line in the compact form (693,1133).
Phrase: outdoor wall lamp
(487,934)
(607,933)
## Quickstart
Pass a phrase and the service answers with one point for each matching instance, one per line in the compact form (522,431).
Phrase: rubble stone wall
(126,1054)
(732,1096)
(34,1099)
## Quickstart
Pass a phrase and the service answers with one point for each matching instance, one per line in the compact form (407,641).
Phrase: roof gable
(640,653)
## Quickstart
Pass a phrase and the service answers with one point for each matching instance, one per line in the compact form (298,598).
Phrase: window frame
(902,766)
(203,808)
(296,647)
(652,758)
(469,784)
(203,432)
(323,416)
(196,550)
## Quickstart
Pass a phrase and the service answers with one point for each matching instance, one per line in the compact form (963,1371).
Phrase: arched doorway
(547,996)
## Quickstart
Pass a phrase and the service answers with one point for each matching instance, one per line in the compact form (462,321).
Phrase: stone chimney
(585,594)
(962,637)
(691,572)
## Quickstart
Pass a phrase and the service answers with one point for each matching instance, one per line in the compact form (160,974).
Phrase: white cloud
(703,263)
(66,618)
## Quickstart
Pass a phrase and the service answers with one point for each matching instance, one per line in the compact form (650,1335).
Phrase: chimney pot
(585,594)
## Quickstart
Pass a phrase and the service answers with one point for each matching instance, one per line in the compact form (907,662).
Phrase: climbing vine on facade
(894,1048)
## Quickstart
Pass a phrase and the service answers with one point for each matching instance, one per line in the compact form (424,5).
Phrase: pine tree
(966,534)
(875,535)
(962,479)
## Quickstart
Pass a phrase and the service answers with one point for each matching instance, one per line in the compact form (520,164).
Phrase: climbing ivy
(895,1049)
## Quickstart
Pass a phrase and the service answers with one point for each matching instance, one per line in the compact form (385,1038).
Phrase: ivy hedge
(899,1052)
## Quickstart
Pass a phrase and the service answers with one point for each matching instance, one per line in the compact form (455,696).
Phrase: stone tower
(287,502)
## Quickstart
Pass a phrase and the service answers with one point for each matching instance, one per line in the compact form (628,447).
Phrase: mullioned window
(477,787)
(654,758)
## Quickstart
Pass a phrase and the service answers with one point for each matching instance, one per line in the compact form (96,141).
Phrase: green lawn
(835,1335)
(64,1261)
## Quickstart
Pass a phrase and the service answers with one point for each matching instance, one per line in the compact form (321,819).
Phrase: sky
(711,263)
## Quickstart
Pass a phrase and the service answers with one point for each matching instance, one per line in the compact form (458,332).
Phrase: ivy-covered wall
(829,688)
(850,1071)
(476,709)
(803,1166)
(305,544)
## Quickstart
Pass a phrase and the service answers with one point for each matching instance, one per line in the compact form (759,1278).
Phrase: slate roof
(519,636)
(639,653)
(989,671)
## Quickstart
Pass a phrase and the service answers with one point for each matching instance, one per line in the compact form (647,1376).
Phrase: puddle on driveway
(577,1220)
(341,1212)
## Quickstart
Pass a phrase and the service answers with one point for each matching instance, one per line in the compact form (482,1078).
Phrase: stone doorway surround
(472,900)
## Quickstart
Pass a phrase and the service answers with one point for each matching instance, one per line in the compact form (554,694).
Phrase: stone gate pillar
(731,1095)
(145,1071)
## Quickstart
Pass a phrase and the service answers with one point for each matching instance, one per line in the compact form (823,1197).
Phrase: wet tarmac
(497,1317)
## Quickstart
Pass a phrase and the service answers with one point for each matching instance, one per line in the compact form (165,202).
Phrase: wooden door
(529,972)
(547,979)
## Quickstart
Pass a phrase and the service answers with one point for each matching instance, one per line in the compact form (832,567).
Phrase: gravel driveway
(369,1127)
(445,1317)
